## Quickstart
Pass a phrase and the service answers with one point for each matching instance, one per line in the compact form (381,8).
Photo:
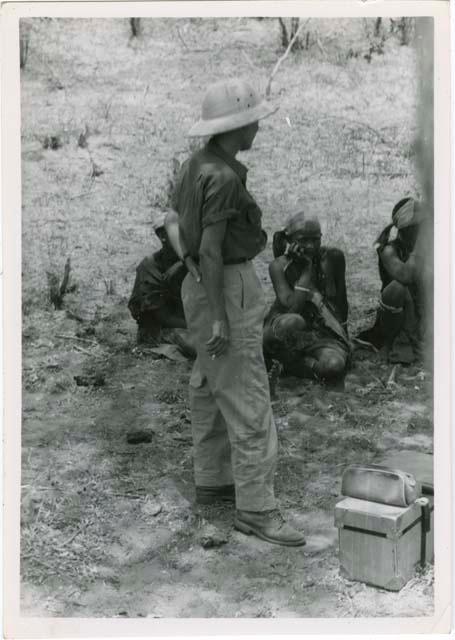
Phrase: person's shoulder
(219,176)
(149,265)
(215,171)
(148,261)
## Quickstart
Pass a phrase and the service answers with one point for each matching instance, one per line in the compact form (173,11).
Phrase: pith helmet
(229,105)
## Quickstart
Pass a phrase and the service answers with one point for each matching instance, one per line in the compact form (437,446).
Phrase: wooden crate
(379,544)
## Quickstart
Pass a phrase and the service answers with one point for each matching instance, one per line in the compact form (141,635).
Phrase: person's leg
(392,303)
(281,338)
(212,451)
(330,364)
(148,329)
(211,455)
(242,394)
(239,383)
(287,328)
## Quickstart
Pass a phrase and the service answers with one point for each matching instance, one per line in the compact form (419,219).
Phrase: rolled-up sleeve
(221,199)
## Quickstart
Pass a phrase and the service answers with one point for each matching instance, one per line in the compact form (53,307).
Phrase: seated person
(305,328)
(398,327)
(156,302)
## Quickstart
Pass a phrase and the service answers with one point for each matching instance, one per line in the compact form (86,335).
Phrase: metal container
(382,544)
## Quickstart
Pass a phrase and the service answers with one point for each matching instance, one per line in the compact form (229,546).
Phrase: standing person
(306,327)
(399,325)
(234,435)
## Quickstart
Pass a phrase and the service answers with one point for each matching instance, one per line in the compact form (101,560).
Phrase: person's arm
(403,272)
(339,275)
(212,271)
(171,224)
(292,299)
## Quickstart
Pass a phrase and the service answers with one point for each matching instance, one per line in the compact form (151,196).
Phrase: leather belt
(227,262)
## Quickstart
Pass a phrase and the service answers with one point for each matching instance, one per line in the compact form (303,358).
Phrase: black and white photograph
(228,396)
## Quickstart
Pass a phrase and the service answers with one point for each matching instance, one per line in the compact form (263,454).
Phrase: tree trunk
(425,164)
(284,33)
(135,24)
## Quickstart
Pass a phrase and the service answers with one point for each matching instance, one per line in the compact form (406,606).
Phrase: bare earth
(110,528)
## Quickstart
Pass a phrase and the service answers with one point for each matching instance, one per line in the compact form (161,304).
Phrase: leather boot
(269,526)
(210,495)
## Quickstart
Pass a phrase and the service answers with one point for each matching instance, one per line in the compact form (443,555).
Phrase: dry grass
(345,154)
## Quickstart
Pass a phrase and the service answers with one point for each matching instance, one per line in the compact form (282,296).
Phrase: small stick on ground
(70,539)
(60,335)
(87,353)
(391,382)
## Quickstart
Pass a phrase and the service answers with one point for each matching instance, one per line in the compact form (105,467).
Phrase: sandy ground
(110,528)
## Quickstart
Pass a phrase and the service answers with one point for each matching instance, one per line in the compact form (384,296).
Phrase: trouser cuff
(212,480)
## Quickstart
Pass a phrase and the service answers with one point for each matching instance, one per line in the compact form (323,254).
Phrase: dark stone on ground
(138,437)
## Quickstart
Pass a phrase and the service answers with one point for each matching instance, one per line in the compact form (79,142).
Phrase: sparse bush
(404,27)
(52,142)
(58,290)
(288,32)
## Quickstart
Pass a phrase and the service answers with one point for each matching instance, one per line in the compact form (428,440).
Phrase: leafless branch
(320,47)
(283,57)
(249,61)
(182,40)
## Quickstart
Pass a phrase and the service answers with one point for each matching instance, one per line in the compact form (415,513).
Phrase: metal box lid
(375,517)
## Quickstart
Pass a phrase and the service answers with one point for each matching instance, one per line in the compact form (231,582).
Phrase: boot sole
(249,530)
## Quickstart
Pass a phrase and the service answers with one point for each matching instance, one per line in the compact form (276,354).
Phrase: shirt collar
(235,165)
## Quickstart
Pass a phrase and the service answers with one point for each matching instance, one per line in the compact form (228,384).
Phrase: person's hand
(296,251)
(219,341)
(173,270)
(193,268)
(317,299)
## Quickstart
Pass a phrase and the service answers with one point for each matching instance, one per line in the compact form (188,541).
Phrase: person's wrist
(304,290)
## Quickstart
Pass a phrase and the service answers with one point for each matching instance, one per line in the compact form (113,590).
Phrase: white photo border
(22,627)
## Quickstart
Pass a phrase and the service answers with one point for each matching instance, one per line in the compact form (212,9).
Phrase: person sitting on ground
(156,302)
(306,327)
(399,327)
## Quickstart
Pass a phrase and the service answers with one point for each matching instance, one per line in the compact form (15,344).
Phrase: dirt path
(110,528)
